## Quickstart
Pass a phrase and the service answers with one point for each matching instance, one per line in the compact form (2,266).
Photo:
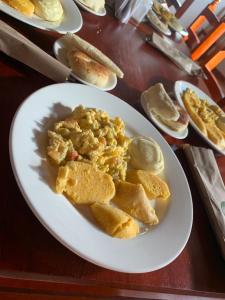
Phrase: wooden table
(33,265)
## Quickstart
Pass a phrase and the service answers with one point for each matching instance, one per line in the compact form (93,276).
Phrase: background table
(33,265)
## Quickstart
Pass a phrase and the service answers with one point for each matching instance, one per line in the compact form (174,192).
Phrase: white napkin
(166,46)
(210,183)
(19,47)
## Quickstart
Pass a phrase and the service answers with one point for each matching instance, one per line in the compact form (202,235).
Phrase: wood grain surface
(34,265)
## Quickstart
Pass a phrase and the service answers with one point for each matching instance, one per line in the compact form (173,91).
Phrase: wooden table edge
(37,284)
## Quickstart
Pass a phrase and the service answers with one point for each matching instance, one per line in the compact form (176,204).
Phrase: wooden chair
(210,40)
(206,15)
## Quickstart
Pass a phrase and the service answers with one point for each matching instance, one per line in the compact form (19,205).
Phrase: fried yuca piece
(189,105)
(26,7)
(217,110)
(154,186)
(82,184)
(132,199)
(215,135)
(114,221)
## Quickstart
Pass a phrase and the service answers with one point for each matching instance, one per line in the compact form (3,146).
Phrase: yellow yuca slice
(153,185)
(215,135)
(82,184)
(114,221)
(132,199)
(26,7)
(194,116)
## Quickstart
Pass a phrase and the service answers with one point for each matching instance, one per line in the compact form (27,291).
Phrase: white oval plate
(59,50)
(102,12)
(176,134)
(147,252)
(179,87)
(72,20)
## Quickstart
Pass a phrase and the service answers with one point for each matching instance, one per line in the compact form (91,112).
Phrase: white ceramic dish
(72,20)
(179,87)
(34,175)
(102,12)
(176,134)
(59,49)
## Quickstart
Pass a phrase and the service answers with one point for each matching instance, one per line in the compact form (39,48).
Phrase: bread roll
(146,154)
(73,41)
(50,10)
(26,7)
(96,5)
(88,69)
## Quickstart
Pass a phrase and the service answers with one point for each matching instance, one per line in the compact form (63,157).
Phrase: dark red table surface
(33,265)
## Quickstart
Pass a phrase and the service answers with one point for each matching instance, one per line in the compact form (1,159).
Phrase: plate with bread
(109,189)
(164,112)
(89,65)
(96,7)
(55,15)
(206,117)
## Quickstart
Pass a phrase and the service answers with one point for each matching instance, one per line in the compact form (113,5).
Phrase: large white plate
(147,252)
(179,87)
(102,12)
(72,20)
(176,134)
(59,49)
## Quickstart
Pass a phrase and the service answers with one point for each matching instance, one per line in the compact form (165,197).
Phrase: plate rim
(179,99)
(28,21)
(58,237)
(56,46)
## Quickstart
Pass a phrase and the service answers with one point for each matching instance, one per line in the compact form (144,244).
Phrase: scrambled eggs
(91,136)
(205,116)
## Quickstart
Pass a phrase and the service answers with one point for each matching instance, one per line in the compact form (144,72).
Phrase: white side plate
(102,12)
(59,49)
(36,179)
(72,19)
(176,134)
(179,87)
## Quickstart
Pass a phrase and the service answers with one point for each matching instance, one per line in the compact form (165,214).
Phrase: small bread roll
(87,68)
(50,10)
(74,42)
(146,155)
